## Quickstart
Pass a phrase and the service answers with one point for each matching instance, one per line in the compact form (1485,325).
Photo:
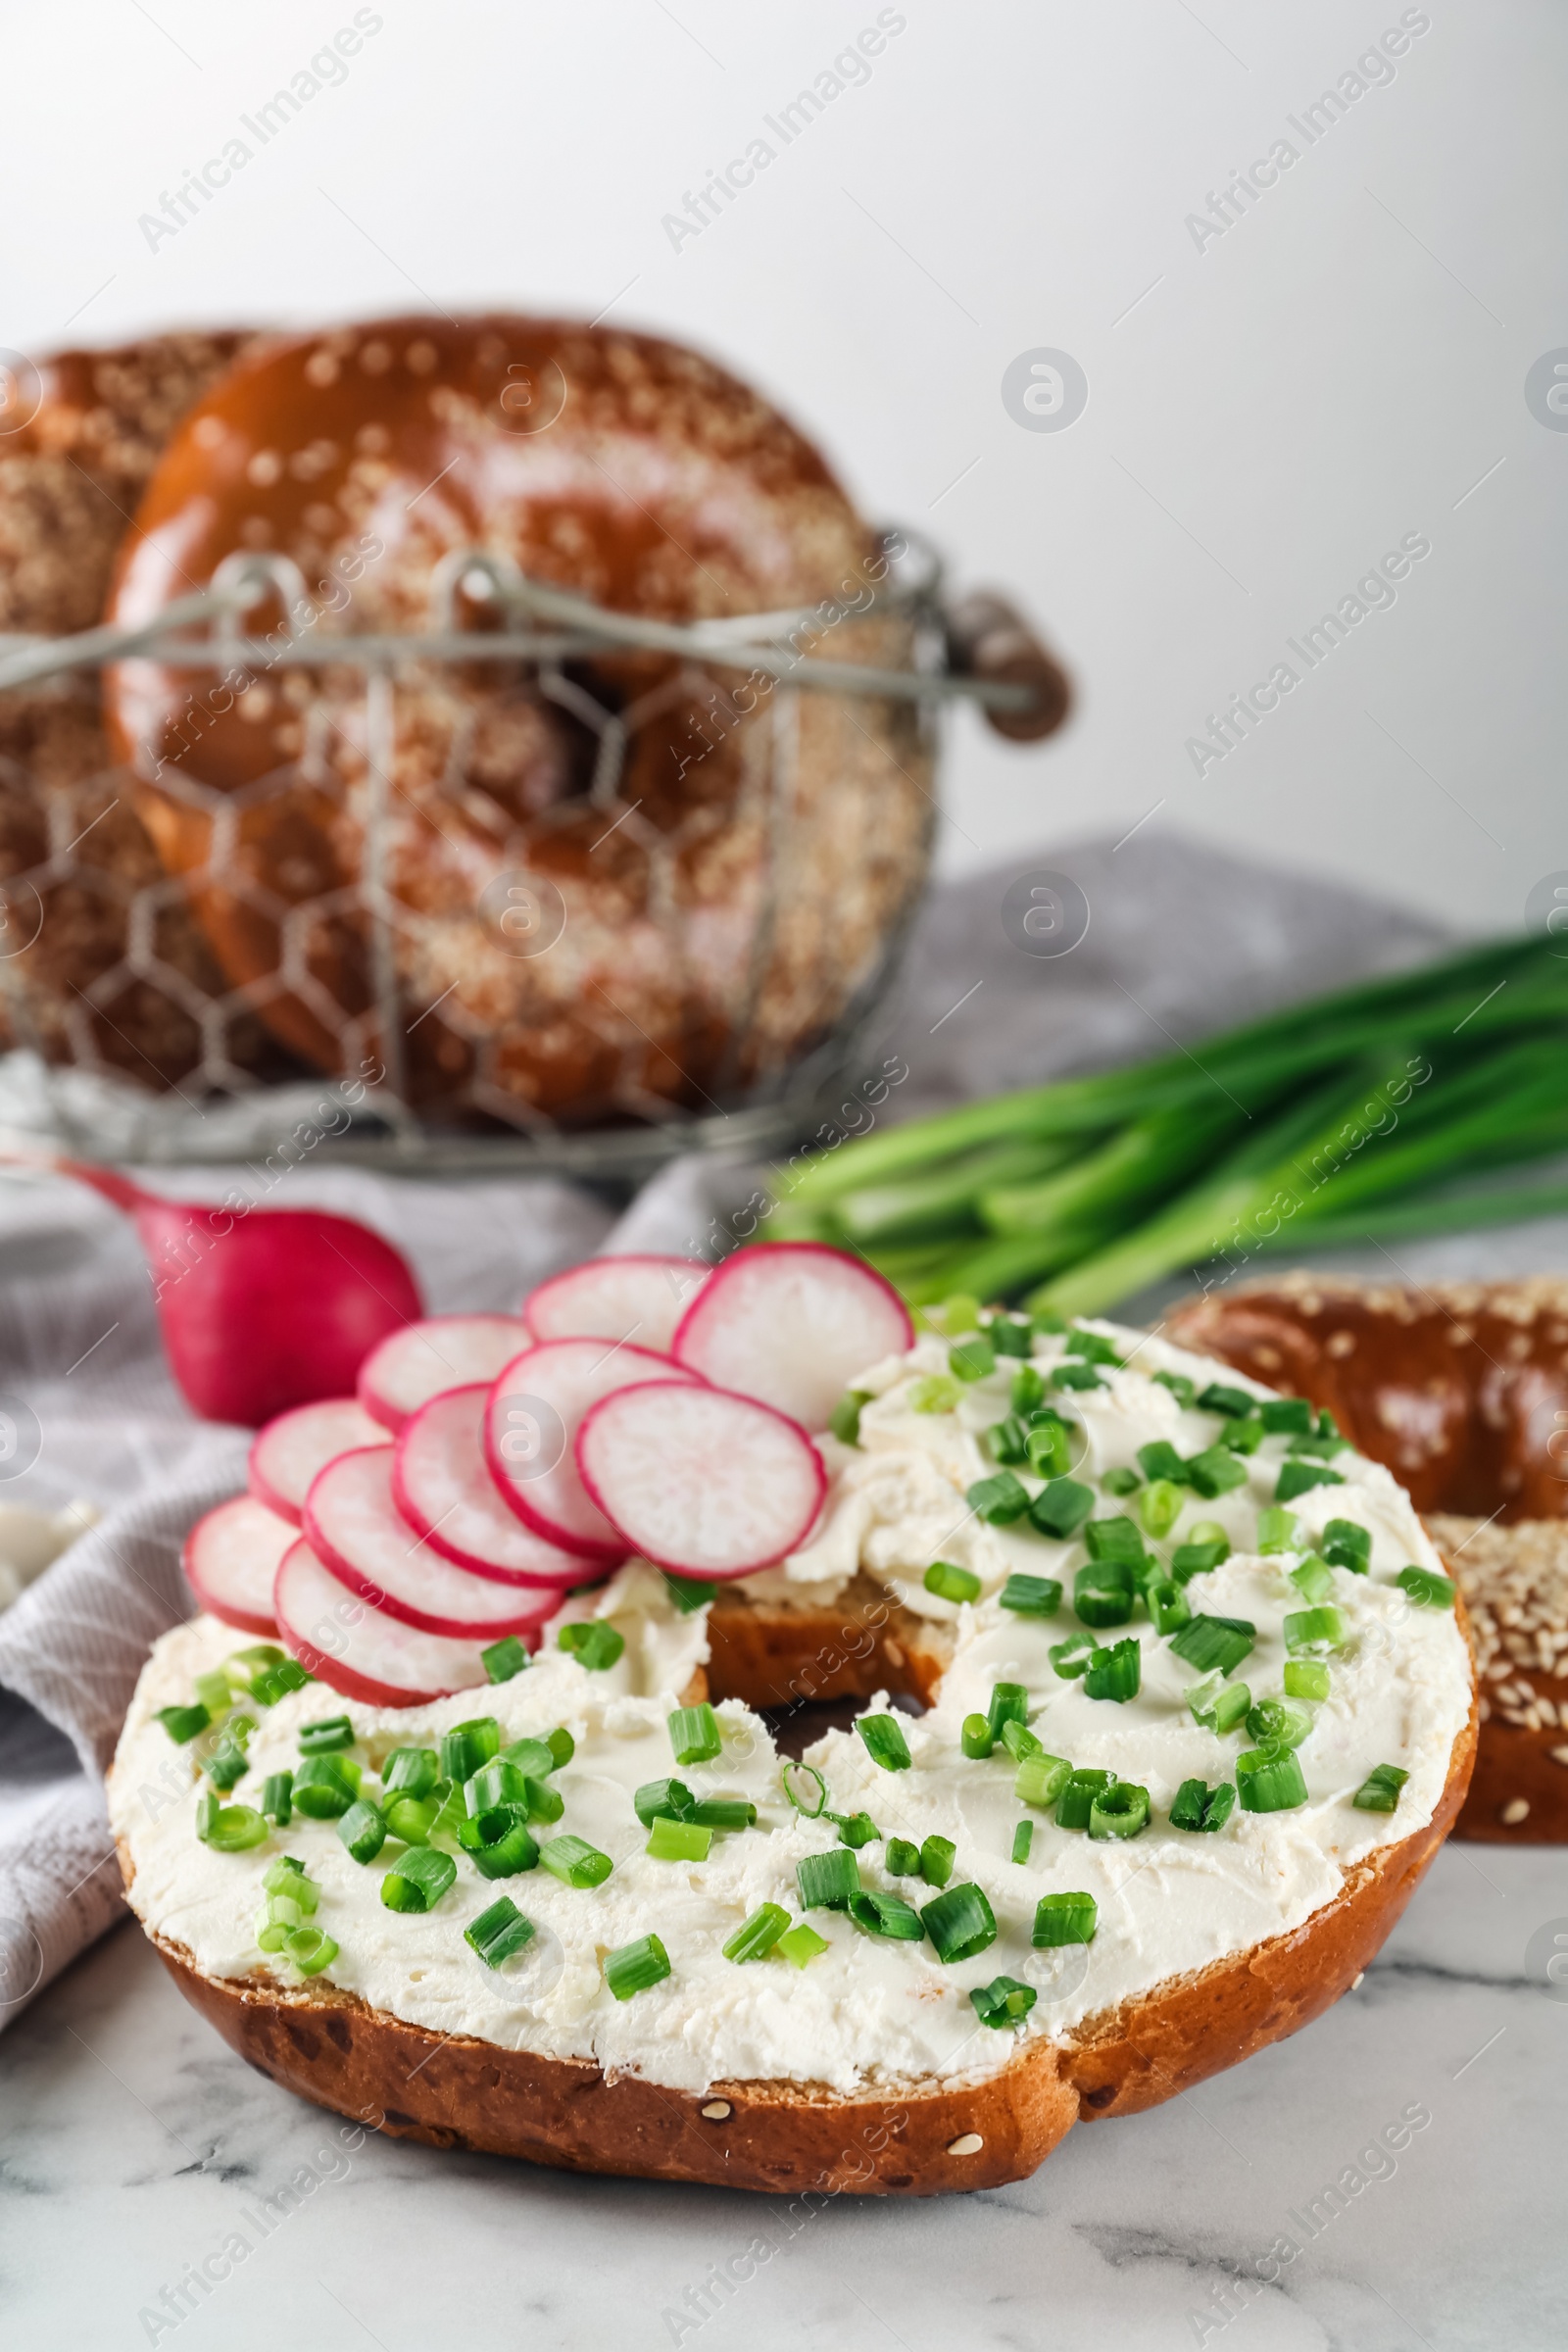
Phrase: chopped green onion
(1115,1673)
(1070,1375)
(278,1797)
(1061,1508)
(976,1738)
(694,1734)
(499,1842)
(1078,1794)
(960,1312)
(183,1723)
(419,1881)
(532,1758)
(1071,1657)
(1215,1644)
(363,1830)
(1297,1476)
(214,1694)
(1160,1506)
(1064,1919)
(1116,1541)
(935,1393)
(243,1666)
(844,1419)
(1028,1390)
(496,1784)
(1215,1471)
(1286,1414)
(324,1787)
(1019,1740)
(1102,1593)
(1269,1780)
(1181,1388)
(575,1862)
(1120,1811)
(1315,1630)
(1031,1595)
(1121,1482)
(678,1840)
(1007,1441)
(1199,1807)
(1010,1703)
(1305,1679)
(1040,1780)
(311,1950)
(635,1967)
(972,1358)
(234,1828)
(902,1859)
(1002,2002)
(1379,1792)
(1161,1464)
(999,1500)
(410,1818)
(1279,1530)
(886,1915)
(1346,1546)
(1010,1338)
(1426,1588)
(594,1642)
(1242,1436)
(1219,1705)
(504,1659)
(226,1764)
(320,1739)
(1271,1723)
(1168,1607)
(498,1932)
(410,1772)
(468,1746)
(1022,1838)
(288,1875)
(1093,1348)
(959,1922)
(936,1860)
(268,1687)
(884,1743)
(855,1829)
(827,1881)
(1312,1577)
(792,1772)
(688,1594)
(1047,1446)
(801,1944)
(724,1813)
(760,1934)
(949,1582)
(562,1745)
(1234,1403)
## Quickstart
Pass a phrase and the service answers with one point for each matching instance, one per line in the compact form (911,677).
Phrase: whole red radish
(260,1308)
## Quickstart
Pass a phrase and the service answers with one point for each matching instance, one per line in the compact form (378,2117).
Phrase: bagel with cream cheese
(1161,1597)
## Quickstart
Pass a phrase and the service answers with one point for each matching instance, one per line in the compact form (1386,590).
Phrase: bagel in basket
(613,882)
(1461,1388)
(83,432)
(941,1940)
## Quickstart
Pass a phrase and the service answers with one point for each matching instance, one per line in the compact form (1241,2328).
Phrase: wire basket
(129,1042)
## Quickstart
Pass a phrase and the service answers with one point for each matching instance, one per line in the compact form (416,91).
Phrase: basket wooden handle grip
(989,638)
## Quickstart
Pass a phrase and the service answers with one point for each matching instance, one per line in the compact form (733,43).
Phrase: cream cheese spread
(865,2012)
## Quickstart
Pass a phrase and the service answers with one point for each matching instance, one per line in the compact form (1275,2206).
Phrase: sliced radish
(442,1485)
(532,1419)
(632,1298)
(700,1481)
(231,1558)
(353,1523)
(791,1323)
(357,1651)
(444,1352)
(289,1452)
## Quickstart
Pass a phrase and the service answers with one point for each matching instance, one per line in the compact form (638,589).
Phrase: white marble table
(134,2144)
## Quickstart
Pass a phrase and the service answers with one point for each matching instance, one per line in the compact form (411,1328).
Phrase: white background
(1266,415)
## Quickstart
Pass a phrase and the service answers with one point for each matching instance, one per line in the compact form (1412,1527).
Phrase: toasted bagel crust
(788,2139)
(1461,1389)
